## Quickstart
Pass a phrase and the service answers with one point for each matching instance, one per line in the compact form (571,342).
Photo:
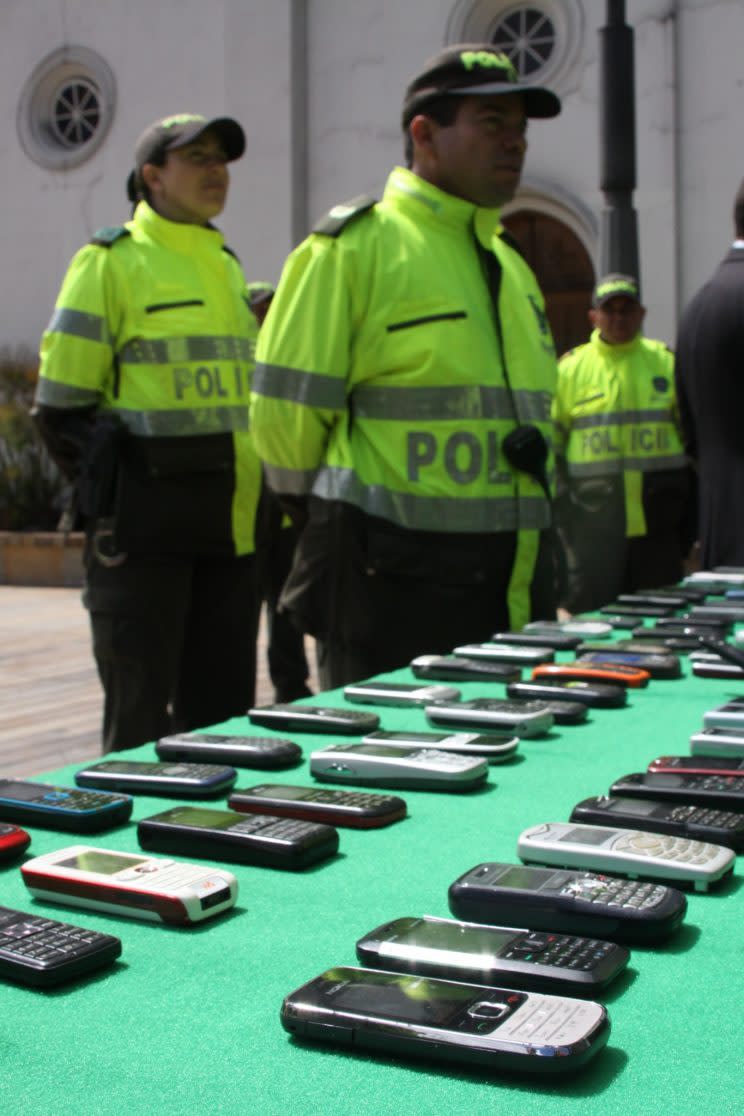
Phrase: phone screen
(103,863)
(467,944)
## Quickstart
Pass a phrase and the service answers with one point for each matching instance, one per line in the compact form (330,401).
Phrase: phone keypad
(79,800)
(191,771)
(44,940)
(279,829)
(610,892)
(701,815)
(679,849)
(355,799)
(561,950)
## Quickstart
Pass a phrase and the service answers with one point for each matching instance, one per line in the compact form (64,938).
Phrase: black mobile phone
(569,901)
(594,694)
(723,648)
(355,809)
(453,950)
(266,841)
(702,625)
(66,808)
(555,640)
(190,780)
(314,718)
(639,646)
(563,712)
(721,792)
(266,752)
(663,600)
(42,952)
(524,718)
(658,666)
(699,823)
(618,608)
(456,668)
(685,640)
(496,1029)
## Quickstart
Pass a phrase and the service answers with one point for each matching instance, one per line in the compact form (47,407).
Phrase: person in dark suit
(710,391)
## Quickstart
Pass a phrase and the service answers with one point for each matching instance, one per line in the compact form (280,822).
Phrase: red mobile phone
(13,840)
(587,672)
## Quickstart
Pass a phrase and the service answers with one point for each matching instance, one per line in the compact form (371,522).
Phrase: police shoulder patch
(109,235)
(336,220)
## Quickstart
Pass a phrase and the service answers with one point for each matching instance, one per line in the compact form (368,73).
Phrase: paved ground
(50,696)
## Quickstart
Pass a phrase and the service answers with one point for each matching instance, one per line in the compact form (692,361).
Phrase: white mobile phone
(128,884)
(728,716)
(399,693)
(629,852)
(507,653)
(524,718)
(494,747)
(717,742)
(382,765)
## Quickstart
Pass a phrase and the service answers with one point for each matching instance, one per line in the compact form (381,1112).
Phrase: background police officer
(407,340)
(142,398)
(625,510)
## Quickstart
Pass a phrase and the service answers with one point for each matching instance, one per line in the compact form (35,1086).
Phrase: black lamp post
(619,233)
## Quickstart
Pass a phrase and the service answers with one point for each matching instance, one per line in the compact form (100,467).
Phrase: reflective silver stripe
(468,401)
(179,350)
(293,482)
(76,323)
(312,389)
(433,513)
(621,418)
(51,393)
(614,465)
(205,420)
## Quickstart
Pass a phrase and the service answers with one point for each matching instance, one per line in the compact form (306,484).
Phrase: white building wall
(233,56)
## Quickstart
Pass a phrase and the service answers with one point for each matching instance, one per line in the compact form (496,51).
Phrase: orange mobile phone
(594,672)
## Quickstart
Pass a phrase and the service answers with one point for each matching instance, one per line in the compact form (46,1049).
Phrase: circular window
(527,36)
(66,108)
(543,39)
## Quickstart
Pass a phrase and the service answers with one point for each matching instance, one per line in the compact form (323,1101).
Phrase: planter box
(41,558)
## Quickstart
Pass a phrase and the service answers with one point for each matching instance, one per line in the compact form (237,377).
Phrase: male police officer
(624,510)
(143,399)
(406,341)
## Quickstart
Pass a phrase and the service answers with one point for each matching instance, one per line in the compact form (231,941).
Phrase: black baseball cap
(467,68)
(176,131)
(615,285)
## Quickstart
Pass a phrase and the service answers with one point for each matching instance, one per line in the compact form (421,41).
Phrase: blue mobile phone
(77,811)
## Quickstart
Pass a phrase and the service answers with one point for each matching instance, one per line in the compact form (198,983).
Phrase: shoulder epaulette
(230,252)
(336,220)
(109,235)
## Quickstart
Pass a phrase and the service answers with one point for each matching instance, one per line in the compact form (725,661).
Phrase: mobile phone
(382,765)
(42,952)
(405,1015)
(658,666)
(63,808)
(723,648)
(567,901)
(240,751)
(722,578)
(140,777)
(594,694)
(721,792)
(664,600)
(493,746)
(702,625)
(453,950)
(719,827)
(269,842)
(618,608)
(639,646)
(355,809)
(126,884)
(506,653)
(717,742)
(619,674)
(314,718)
(562,712)
(398,693)
(722,610)
(524,718)
(699,765)
(715,668)
(13,841)
(626,851)
(454,668)
(552,640)
(728,716)
(584,629)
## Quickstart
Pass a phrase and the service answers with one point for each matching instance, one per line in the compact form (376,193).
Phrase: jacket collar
(424,201)
(174,234)
(617,351)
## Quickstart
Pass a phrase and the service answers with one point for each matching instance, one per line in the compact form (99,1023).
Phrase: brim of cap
(232,136)
(597,302)
(539,103)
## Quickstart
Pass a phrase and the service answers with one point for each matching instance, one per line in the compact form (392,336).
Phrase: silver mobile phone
(382,765)
(399,693)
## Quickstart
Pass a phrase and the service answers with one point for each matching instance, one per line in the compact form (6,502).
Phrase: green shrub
(32,490)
